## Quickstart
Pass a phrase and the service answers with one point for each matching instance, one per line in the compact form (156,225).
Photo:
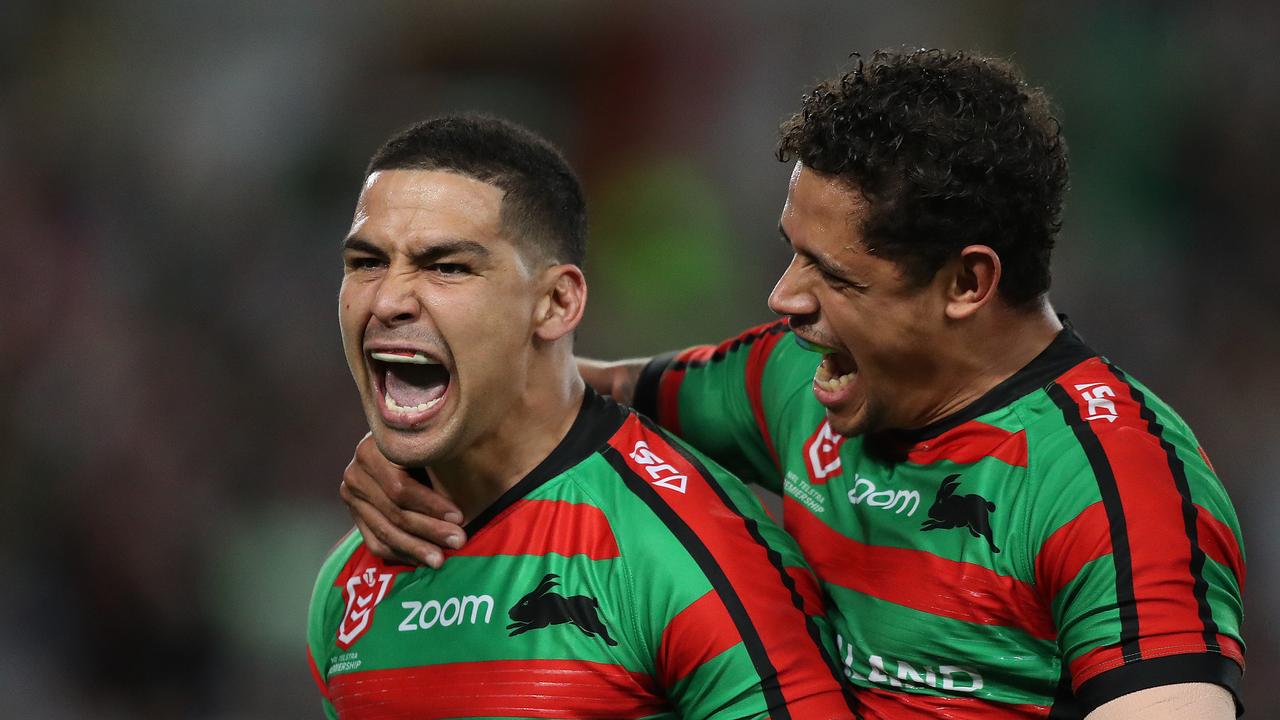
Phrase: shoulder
(1098,424)
(336,561)
(704,508)
(656,475)
(1106,456)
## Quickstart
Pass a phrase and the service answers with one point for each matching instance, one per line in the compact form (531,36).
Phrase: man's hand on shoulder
(1184,701)
(617,379)
(401,519)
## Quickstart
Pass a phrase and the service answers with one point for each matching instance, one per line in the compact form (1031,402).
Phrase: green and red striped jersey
(1059,543)
(626,576)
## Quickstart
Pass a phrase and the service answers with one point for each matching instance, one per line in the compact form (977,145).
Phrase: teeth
(393,406)
(834,384)
(404,357)
(826,381)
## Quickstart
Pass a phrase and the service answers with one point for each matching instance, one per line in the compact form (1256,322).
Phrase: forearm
(1184,701)
(616,379)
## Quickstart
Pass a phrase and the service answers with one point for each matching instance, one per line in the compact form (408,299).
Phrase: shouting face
(876,326)
(436,309)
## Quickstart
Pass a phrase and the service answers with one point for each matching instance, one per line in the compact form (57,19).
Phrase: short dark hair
(949,149)
(542,205)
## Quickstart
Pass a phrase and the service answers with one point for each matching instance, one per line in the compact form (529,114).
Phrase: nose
(791,295)
(395,301)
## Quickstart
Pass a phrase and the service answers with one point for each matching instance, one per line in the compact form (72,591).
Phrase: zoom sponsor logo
(453,611)
(865,492)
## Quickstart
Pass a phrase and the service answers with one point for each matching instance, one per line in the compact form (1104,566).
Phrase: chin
(403,448)
(847,426)
(856,419)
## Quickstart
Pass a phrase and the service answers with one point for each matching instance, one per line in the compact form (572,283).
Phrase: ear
(560,308)
(972,281)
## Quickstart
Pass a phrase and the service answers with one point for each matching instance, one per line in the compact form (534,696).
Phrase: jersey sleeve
(1139,549)
(728,400)
(727,610)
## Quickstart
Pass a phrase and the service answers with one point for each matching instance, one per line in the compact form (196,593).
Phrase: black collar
(598,419)
(1065,352)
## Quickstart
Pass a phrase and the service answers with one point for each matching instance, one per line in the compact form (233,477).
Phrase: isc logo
(1096,394)
(662,474)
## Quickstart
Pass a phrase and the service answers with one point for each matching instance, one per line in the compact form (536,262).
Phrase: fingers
(378,547)
(374,478)
(389,542)
(401,519)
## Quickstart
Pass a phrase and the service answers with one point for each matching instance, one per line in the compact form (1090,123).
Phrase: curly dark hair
(950,150)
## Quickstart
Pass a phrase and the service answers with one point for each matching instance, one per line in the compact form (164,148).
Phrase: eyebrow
(423,255)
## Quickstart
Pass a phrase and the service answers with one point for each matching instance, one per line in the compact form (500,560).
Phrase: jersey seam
(796,393)
(1166,651)
(1034,488)
(627,576)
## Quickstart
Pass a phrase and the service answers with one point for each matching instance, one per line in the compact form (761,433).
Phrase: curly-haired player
(1006,523)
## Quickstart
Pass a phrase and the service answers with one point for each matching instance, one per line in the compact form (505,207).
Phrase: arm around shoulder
(616,379)
(1184,701)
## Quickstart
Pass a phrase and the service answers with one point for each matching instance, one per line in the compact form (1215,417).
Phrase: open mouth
(835,372)
(411,383)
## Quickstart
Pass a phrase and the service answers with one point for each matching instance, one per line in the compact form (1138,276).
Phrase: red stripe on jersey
(807,587)
(695,635)
(807,683)
(361,559)
(1099,660)
(757,358)
(542,527)
(1219,542)
(880,704)
(970,442)
(916,579)
(315,675)
(497,688)
(1159,549)
(670,382)
(1085,538)
(1231,648)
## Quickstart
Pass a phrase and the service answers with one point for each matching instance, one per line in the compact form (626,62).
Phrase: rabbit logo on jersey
(541,608)
(362,591)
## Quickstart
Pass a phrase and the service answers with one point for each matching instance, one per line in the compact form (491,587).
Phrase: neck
(528,430)
(990,351)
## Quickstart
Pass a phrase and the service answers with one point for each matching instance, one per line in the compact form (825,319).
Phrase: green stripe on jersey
(930,654)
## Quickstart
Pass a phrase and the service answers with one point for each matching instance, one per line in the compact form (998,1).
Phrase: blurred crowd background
(175,178)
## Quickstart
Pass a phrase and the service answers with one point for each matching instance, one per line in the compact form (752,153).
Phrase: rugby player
(1006,523)
(611,572)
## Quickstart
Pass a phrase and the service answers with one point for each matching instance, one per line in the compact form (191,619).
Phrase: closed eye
(835,282)
(363,262)
(446,268)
